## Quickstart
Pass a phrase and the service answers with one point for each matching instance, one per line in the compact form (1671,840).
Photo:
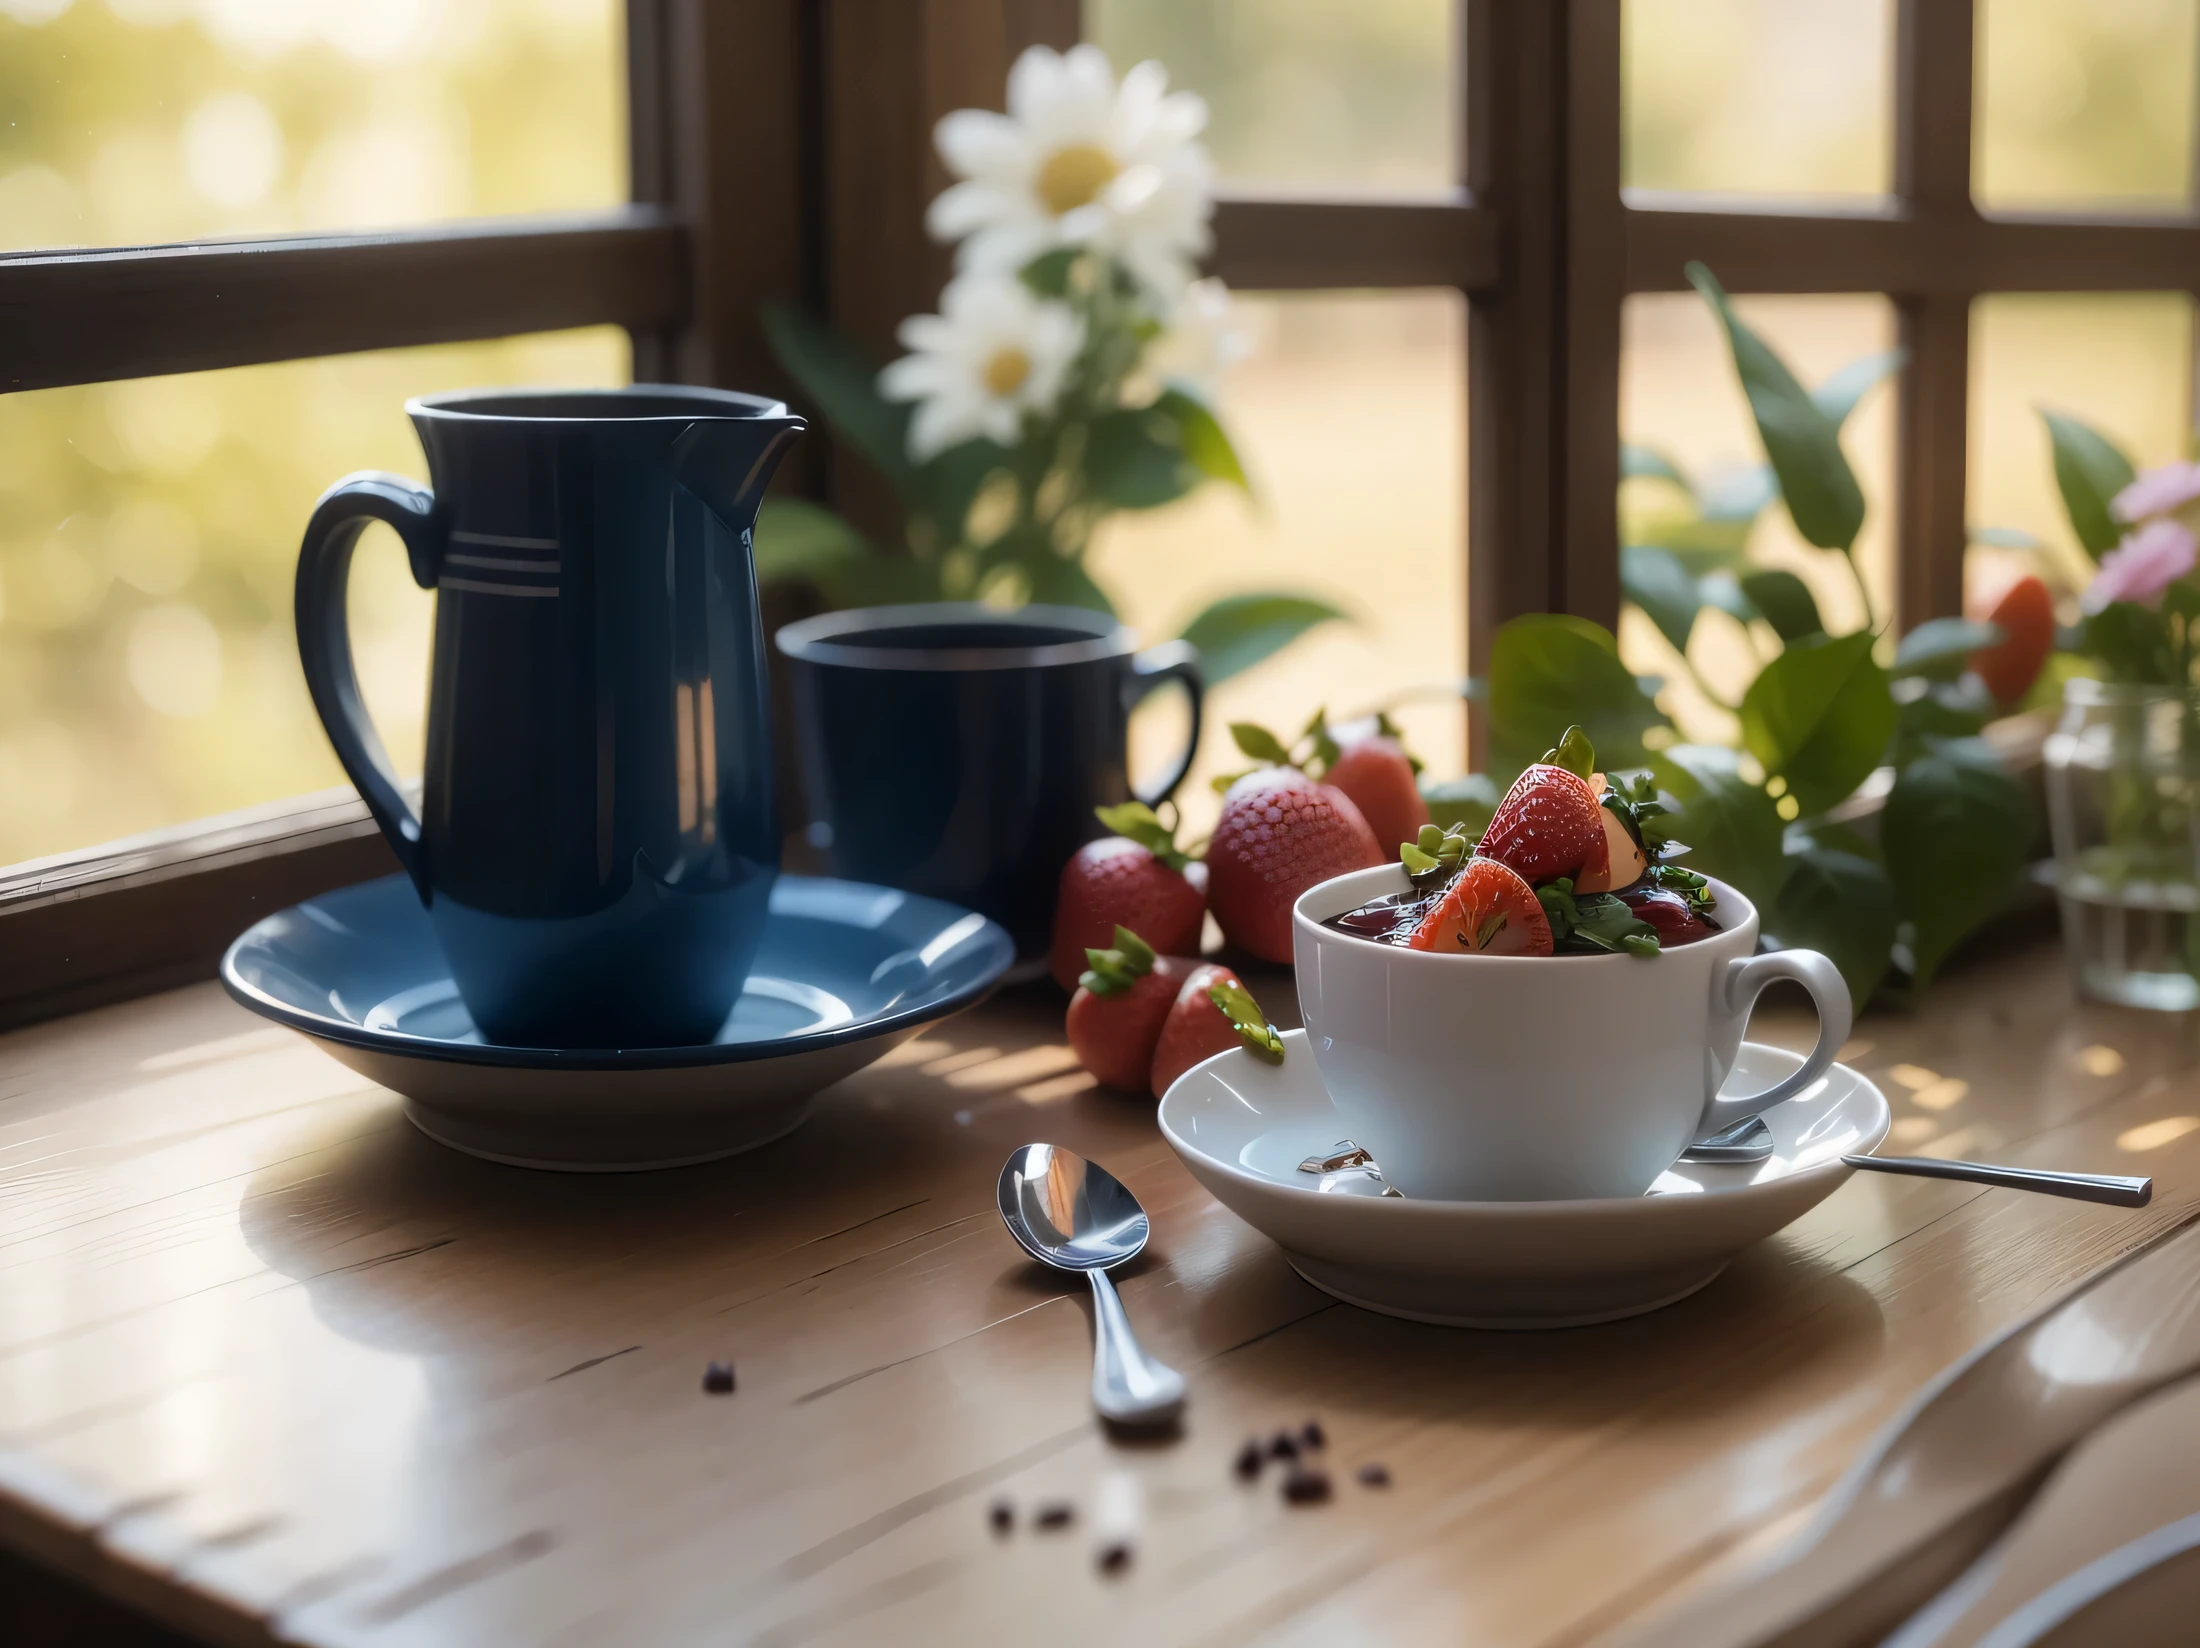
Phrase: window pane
(1767,97)
(1305,92)
(2120,363)
(2085,102)
(133,121)
(148,538)
(1351,418)
(1678,394)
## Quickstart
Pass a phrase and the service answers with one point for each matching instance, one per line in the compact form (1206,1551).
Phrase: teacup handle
(1736,994)
(324,638)
(1171,661)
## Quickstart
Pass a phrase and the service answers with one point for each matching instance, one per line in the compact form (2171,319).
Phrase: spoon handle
(2112,1188)
(1128,1387)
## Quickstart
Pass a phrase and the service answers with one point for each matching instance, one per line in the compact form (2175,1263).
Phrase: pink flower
(2158,491)
(2143,565)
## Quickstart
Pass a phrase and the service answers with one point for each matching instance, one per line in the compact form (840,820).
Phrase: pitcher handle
(1171,661)
(324,638)
(1736,992)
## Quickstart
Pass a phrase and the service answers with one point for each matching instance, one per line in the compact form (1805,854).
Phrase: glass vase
(2123,802)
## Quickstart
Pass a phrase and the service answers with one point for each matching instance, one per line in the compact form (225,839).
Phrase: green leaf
(1784,601)
(1803,443)
(1548,672)
(1637,463)
(1113,971)
(2133,643)
(843,385)
(1239,631)
(1061,581)
(1464,804)
(2089,471)
(1574,753)
(1839,904)
(1048,273)
(945,488)
(1235,1003)
(800,541)
(1740,495)
(1939,647)
(1259,743)
(1838,395)
(1136,821)
(1954,835)
(1654,579)
(1732,828)
(1133,459)
(1944,710)
(1820,715)
(1202,439)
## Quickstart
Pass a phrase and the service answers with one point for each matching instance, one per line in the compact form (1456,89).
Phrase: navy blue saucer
(845,972)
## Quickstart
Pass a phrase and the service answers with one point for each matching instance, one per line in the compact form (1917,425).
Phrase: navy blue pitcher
(598,836)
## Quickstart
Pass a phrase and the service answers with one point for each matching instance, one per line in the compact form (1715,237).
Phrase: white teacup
(1532,1078)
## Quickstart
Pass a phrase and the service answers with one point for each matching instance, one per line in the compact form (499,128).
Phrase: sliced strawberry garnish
(1489,911)
(1550,824)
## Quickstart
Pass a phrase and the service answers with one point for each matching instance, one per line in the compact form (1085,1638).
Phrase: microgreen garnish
(1581,922)
(1575,753)
(1687,883)
(1235,1003)
(1635,802)
(1112,972)
(1435,856)
(1143,825)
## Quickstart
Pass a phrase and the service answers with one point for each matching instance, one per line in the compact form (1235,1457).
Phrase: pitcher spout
(728,461)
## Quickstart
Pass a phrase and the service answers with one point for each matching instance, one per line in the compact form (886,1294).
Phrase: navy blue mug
(959,751)
(598,836)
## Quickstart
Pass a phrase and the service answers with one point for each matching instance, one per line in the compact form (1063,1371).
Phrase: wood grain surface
(274,1367)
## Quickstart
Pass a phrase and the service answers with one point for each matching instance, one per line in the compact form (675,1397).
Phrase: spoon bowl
(1075,1215)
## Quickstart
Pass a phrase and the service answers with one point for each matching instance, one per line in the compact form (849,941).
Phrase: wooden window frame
(781,150)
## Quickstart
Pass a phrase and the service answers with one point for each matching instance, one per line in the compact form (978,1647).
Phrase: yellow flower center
(1074,176)
(1005,370)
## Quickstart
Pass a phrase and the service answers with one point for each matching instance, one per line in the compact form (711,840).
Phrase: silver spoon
(1749,1140)
(1075,1215)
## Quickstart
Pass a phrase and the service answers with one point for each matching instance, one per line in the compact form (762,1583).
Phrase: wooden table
(274,1367)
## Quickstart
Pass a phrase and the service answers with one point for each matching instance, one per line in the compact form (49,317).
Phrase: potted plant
(1069,373)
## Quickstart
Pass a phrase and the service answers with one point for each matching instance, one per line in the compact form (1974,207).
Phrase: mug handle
(324,637)
(1736,992)
(1170,661)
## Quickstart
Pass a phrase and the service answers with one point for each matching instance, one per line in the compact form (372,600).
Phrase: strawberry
(1488,911)
(1549,825)
(2026,614)
(1214,1012)
(1279,834)
(1135,878)
(1116,1016)
(1378,775)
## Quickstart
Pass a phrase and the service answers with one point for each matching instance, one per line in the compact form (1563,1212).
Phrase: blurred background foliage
(147,529)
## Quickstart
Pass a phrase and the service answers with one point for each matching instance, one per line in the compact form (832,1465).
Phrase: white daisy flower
(1202,338)
(995,353)
(1080,161)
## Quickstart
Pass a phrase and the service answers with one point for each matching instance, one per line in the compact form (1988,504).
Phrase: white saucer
(1243,1126)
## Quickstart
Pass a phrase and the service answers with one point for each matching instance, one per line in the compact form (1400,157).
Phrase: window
(1494,198)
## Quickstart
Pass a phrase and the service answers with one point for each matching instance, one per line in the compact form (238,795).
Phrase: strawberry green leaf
(1137,822)
(1235,1003)
(1112,972)
(1259,743)
(1415,860)
(1575,753)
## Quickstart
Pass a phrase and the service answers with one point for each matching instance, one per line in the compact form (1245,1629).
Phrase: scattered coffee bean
(1055,1513)
(1249,1459)
(1312,1436)
(1283,1445)
(718,1378)
(1374,1475)
(1114,1557)
(1306,1485)
(1002,1515)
